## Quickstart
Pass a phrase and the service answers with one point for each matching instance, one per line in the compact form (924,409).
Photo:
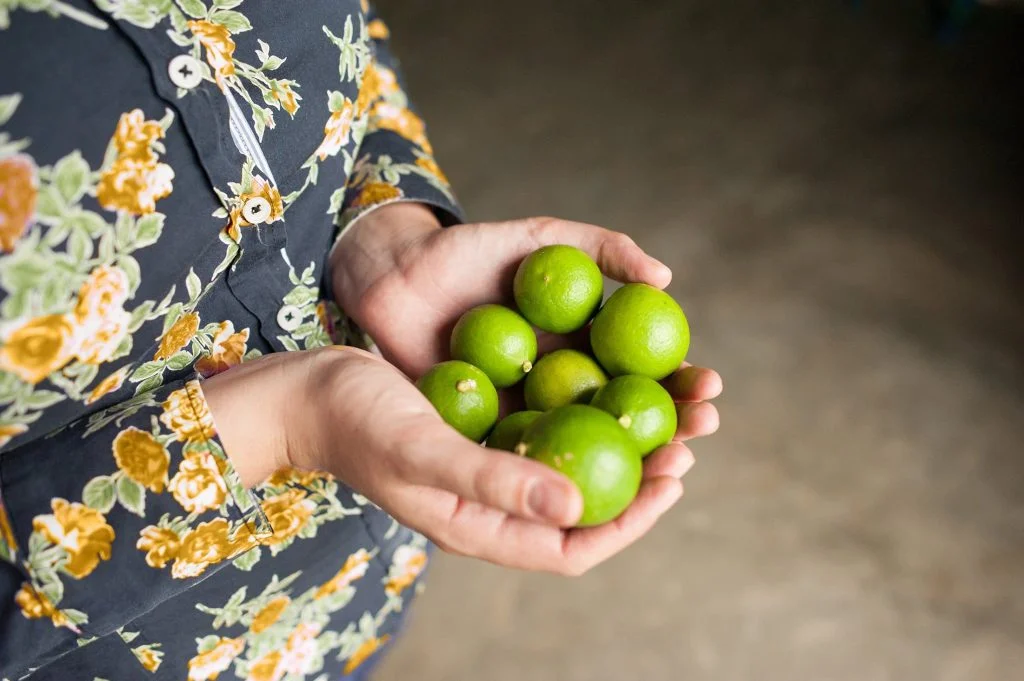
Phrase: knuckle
(542,227)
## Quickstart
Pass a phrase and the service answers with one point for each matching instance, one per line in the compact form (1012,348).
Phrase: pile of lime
(592,416)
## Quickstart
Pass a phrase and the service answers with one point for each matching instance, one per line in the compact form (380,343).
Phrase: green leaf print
(235,22)
(247,560)
(193,8)
(8,105)
(179,361)
(71,177)
(148,229)
(100,493)
(132,495)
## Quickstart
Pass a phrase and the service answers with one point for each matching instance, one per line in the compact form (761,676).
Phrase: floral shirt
(173,176)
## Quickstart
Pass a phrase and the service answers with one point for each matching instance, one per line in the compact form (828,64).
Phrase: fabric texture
(173,176)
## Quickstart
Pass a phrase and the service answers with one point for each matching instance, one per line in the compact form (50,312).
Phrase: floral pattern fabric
(154,235)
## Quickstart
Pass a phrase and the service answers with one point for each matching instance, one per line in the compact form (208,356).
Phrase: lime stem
(521,449)
(625,421)
(527,366)
(465,385)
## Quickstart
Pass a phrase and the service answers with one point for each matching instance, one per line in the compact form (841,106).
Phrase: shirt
(173,176)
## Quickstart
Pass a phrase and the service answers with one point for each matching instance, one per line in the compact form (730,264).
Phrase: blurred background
(839,191)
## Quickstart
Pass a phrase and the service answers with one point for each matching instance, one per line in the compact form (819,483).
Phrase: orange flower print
(378,30)
(108,385)
(337,131)
(19,187)
(187,414)
(160,544)
(205,545)
(6,533)
(199,484)
(324,317)
(228,350)
(365,650)
(269,614)
(373,193)
(148,657)
(260,189)
(355,567)
(100,339)
(267,668)
(220,48)
(295,658)
(35,605)
(38,347)
(430,165)
(103,293)
(8,431)
(178,336)
(378,81)
(289,99)
(408,563)
(142,458)
(401,121)
(136,179)
(207,666)
(294,476)
(81,531)
(287,513)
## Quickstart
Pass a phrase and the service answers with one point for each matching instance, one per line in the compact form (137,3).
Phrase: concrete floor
(838,197)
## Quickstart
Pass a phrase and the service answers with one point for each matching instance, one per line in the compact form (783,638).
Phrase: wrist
(374,245)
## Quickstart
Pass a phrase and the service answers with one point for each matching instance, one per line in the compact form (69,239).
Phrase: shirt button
(256,210)
(185,72)
(289,318)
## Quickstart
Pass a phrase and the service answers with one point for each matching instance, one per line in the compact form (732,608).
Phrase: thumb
(440,457)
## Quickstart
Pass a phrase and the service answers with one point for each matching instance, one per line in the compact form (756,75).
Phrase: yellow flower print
(269,614)
(376,192)
(6,533)
(19,187)
(104,292)
(199,483)
(99,340)
(205,545)
(364,5)
(142,458)
(368,648)
(35,605)
(220,48)
(81,531)
(188,417)
(324,317)
(267,668)
(355,567)
(430,165)
(260,189)
(178,336)
(294,476)
(378,30)
(9,431)
(287,513)
(38,348)
(148,657)
(228,350)
(401,121)
(108,385)
(378,81)
(295,658)
(136,179)
(407,564)
(337,131)
(207,666)
(160,544)
(282,92)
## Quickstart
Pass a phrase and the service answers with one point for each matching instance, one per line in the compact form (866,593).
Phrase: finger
(618,256)
(440,457)
(587,547)
(673,460)
(694,384)
(696,419)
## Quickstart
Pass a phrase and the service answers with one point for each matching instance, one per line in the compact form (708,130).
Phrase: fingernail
(548,500)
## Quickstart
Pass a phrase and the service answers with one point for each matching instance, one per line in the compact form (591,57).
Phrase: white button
(289,318)
(256,210)
(185,72)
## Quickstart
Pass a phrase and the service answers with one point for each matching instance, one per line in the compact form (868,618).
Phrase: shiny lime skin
(642,407)
(463,396)
(496,340)
(558,288)
(562,377)
(640,330)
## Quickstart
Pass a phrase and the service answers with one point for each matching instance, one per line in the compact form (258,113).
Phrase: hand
(348,412)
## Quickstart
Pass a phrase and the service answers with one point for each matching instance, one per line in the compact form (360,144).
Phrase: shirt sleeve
(111,515)
(395,161)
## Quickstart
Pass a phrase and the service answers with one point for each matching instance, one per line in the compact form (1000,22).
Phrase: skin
(396,263)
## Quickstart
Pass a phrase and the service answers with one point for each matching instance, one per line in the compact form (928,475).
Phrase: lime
(640,330)
(509,431)
(498,341)
(558,288)
(643,407)
(589,447)
(562,377)
(463,396)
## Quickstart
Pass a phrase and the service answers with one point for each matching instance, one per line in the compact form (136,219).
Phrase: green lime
(463,396)
(640,330)
(558,288)
(589,447)
(509,431)
(498,341)
(643,407)
(562,377)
